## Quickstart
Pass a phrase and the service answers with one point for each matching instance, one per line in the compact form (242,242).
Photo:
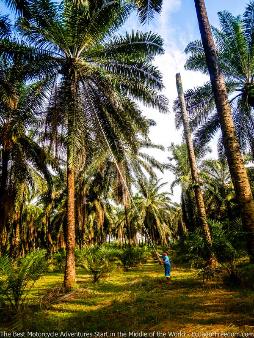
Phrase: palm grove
(75,166)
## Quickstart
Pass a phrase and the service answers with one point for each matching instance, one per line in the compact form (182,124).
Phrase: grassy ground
(138,300)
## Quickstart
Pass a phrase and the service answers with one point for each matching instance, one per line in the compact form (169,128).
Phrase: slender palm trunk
(188,210)
(194,173)
(235,161)
(70,274)
(181,230)
(70,271)
(3,190)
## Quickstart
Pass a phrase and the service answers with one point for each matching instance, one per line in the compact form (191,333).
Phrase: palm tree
(234,49)
(194,172)
(20,152)
(27,229)
(152,215)
(230,142)
(179,166)
(95,79)
(218,187)
(20,6)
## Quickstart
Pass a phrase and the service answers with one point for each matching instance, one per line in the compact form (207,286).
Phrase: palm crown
(146,8)
(96,72)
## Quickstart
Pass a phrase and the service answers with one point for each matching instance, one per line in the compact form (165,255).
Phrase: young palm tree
(95,79)
(230,142)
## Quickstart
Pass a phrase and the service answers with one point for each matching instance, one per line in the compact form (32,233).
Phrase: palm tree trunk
(70,271)
(194,173)
(188,208)
(235,161)
(69,277)
(3,190)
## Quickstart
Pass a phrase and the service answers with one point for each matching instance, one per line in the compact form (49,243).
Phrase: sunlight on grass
(141,300)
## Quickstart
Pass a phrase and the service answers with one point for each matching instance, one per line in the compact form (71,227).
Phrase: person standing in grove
(167,266)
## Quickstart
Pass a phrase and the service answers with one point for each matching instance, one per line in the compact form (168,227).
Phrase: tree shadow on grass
(142,303)
(146,304)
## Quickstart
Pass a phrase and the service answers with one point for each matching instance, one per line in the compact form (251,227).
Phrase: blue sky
(178,25)
(184,19)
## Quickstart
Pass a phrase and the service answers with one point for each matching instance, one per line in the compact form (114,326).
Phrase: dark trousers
(167,270)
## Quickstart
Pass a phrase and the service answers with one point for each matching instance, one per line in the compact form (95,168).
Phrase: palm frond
(134,46)
(20,6)
(207,131)
(5,27)
(147,8)
(196,60)
(248,24)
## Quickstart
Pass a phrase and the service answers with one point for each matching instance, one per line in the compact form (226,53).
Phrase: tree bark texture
(3,192)
(232,149)
(194,171)
(70,273)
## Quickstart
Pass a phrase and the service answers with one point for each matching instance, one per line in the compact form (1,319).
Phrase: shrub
(133,256)
(247,276)
(97,263)
(231,276)
(18,276)
(111,252)
(226,242)
(227,245)
(58,260)
(100,260)
(192,251)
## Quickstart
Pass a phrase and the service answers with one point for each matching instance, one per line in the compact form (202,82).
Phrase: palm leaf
(147,8)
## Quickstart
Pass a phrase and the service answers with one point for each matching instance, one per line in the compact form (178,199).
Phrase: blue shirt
(166,260)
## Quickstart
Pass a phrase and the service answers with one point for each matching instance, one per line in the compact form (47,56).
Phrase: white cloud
(170,63)
(168,8)
(165,131)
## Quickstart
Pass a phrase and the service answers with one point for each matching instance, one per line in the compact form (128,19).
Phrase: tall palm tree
(95,78)
(234,50)
(20,153)
(230,142)
(194,172)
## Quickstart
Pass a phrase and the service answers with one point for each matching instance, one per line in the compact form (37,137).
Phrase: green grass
(136,300)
